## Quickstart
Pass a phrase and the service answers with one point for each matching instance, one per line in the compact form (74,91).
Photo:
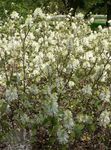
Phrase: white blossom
(83,118)
(105,96)
(92,20)
(29,20)
(100,27)
(68,120)
(104,119)
(38,12)
(62,136)
(14,15)
(51,106)
(71,84)
(89,56)
(109,22)
(87,89)
(11,94)
(79,15)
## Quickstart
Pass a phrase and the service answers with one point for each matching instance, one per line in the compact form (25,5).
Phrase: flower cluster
(105,118)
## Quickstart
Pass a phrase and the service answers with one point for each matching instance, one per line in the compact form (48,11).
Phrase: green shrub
(55,81)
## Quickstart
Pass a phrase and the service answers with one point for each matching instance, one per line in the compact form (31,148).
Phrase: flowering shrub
(55,79)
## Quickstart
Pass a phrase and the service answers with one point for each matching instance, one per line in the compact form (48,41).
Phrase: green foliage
(25,7)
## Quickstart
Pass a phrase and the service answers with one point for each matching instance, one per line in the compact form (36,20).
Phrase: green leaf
(3,108)
(78,130)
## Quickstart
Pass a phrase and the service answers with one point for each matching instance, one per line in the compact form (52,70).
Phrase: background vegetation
(26,6)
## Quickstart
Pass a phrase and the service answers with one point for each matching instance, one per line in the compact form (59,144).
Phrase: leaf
(3,108)
(92,128)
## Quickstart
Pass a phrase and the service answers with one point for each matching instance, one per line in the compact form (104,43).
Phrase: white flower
(105,44)
(80,15)
(33,89)
(62,136)
(74,27)
(30,36)
(11,94)
(40,40)
(92,20)
(105,96)
(68,120)
(29,20)
(54,108)
(86,64)
(87,89)
(109,22)
(79,48)
(38,12)
(83,118)
(36,46)
(89,56)
(51,106)
(71,84)
(74,64)
(100,27)
(86,42)
(41,55)
(50,56)
(14,15)
(104,119)
(24,118)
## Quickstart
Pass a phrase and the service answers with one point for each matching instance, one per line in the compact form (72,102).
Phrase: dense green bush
(54,81)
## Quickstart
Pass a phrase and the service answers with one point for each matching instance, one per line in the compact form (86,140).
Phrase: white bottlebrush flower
(40,40)
(74,27)
(79,49)
(105,44)
(53,109)
(11,94)
(68,120)
(14,15)
(109,22)
(30,36)
(50,56)
(92,20)
(105,96)
(87,89)
(86,64)
(80,15)
(41,55)
(104,119)
(24,118)
(100,27)
(71,84)
(83,118)
(38,12)
(86,42)
(29,20)
(89,56)
(33,89)
(62,136)
(51,106)
(74,64)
